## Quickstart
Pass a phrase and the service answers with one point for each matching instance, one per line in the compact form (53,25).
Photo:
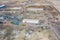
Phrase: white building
(16,8)
(35,9)
(35,21)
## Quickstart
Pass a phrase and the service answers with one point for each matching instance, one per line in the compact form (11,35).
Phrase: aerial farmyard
(29,20)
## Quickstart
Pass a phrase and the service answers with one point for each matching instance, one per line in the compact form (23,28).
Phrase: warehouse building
(34,9)
(34,21)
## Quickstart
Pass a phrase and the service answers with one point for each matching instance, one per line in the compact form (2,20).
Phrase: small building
(1,17)
(15,22)
(19,17)
(35,21)
(3,6)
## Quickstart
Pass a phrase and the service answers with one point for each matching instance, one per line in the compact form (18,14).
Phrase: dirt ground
(43,35)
